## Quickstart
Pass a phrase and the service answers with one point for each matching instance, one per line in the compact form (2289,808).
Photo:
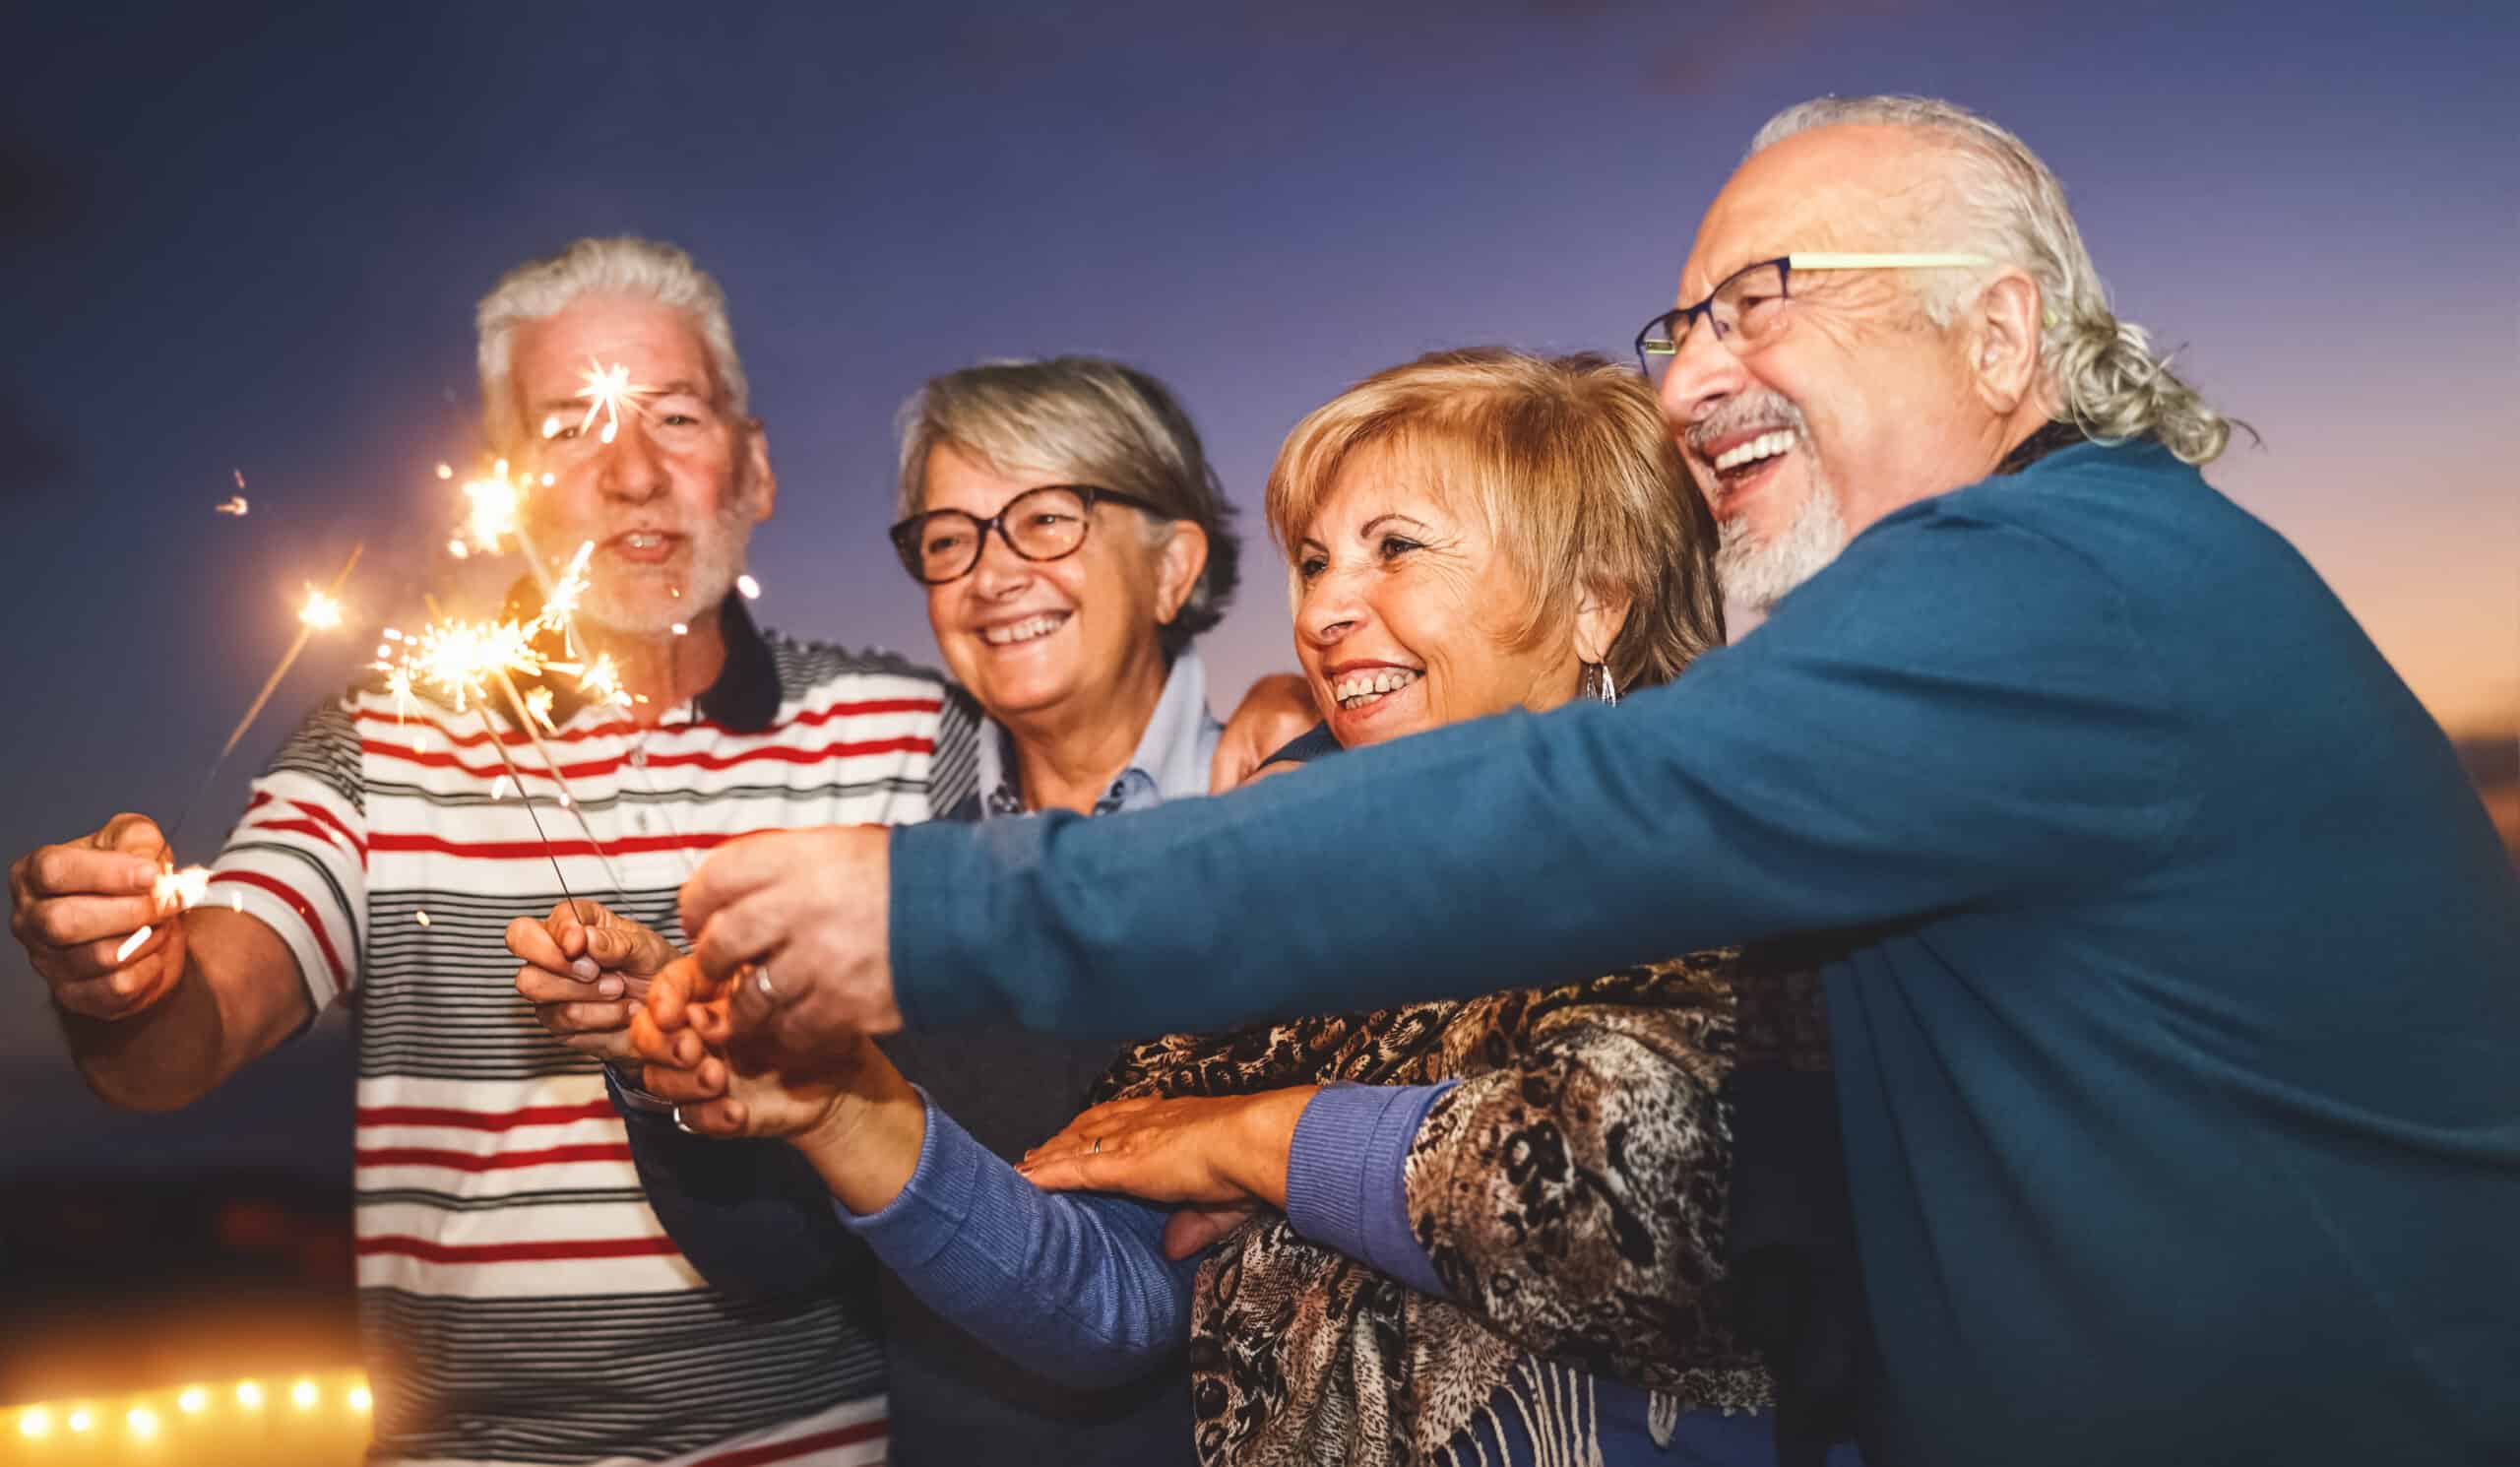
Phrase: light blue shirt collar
(1171,762)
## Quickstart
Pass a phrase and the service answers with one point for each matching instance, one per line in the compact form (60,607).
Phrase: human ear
(1178,563)
(2004,336)
(1598,619)
(764,490)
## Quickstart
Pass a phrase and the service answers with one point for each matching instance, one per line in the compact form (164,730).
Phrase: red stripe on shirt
(298,905)
(293,827)
(516,1253)
(536,850)
(865,707)
(780,1451)
(482,1120)
(588,769)
(497,1161)
(334,821)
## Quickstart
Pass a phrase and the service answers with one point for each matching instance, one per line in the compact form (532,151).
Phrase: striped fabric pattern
(518,1301)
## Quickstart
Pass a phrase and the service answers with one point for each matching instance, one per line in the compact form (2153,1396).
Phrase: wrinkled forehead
(1844,187)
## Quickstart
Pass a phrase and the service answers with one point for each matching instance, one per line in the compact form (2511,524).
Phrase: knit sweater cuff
(1347,1182)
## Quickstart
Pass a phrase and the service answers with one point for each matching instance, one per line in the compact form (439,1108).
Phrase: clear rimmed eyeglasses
(1749,308)
(1043,524)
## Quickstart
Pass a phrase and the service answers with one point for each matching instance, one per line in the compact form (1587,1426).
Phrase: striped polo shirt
(518,1299)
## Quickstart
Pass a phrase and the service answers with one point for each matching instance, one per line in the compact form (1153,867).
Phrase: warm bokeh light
(304,1394)
(142,1421)
(249,1394)
(359,1399)
(82,1418)
(35,1421)
(193,1401)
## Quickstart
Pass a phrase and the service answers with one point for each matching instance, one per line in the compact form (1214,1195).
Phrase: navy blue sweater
(2177,1029)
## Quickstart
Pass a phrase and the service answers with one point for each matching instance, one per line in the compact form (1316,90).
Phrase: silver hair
(1083,420)
(623,265)
(2108,380)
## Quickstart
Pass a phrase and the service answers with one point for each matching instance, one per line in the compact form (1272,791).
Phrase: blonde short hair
(623,265)
(1574,466)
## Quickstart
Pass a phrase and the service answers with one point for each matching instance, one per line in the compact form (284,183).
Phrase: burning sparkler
(606,390)
(321,612)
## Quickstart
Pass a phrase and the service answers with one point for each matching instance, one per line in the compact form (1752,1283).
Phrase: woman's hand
(1201,1149)
(584,969)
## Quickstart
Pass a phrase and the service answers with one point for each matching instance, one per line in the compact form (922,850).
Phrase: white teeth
(1025,630)
(1360,688)
(641,540)
(1764,446)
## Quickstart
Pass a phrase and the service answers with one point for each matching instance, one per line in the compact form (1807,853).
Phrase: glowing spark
(384,650)
(537,702)
(565,801)
(601,683)
(420,916)
(321,612)
(562,603)
(179,891)
(749,587)
(681,629)
(446,470)
(455,547)
(131,944)
(607,390)
(393,635)
(235,901)
(500,787)
(549,479)
(234,505)
(552,427)
(495,503)
(240,479)
(193,1401)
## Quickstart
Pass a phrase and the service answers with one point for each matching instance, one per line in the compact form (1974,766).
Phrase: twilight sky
(254,246)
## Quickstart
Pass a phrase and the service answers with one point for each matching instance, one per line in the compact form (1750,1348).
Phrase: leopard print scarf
(1570,1193)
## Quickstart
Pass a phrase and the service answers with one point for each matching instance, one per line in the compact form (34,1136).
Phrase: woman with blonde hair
(1474,1231)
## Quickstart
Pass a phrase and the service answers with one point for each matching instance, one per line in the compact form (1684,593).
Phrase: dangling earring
(1596,682)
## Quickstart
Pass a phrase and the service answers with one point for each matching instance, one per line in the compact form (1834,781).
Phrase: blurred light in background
(198,1425)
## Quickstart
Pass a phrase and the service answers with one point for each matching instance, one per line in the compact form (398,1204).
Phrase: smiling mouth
(642,545)
(1364,689)
(1030,630)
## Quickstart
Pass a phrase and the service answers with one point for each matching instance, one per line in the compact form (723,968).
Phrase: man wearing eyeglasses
(2175,1007)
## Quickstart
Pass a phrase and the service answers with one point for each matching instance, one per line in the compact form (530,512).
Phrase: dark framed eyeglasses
(1043,524)
(1748,310)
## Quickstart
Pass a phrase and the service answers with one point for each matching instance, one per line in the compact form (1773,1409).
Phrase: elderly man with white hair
(520,1301)
(2173,1003)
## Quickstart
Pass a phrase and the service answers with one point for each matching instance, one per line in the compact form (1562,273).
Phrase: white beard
(717,558)
(1760,573)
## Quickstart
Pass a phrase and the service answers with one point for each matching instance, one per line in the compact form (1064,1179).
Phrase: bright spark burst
(233,505)
(496,501)
(181,891)
(606,391)
(321,612)
(749,587)
(456,661)
(537,702)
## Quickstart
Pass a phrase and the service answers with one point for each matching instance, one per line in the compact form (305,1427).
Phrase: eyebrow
(1387,517)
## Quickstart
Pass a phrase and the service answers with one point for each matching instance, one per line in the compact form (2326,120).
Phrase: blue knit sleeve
(1347,1177)
(1072,1285)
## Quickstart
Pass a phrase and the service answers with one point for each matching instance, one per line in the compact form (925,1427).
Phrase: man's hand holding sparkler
(77,906)
(584,978)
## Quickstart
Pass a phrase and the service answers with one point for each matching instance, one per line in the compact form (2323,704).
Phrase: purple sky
(256,247)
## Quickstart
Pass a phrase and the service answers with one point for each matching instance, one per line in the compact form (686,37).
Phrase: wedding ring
(679,1122)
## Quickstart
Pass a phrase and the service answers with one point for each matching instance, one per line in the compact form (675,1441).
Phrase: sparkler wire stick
(518,780)
(305,629)
(568,796)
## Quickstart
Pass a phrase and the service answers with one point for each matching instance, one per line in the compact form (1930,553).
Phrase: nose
(630,470)
(1329,610)
(1703,373)
(1000,573)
